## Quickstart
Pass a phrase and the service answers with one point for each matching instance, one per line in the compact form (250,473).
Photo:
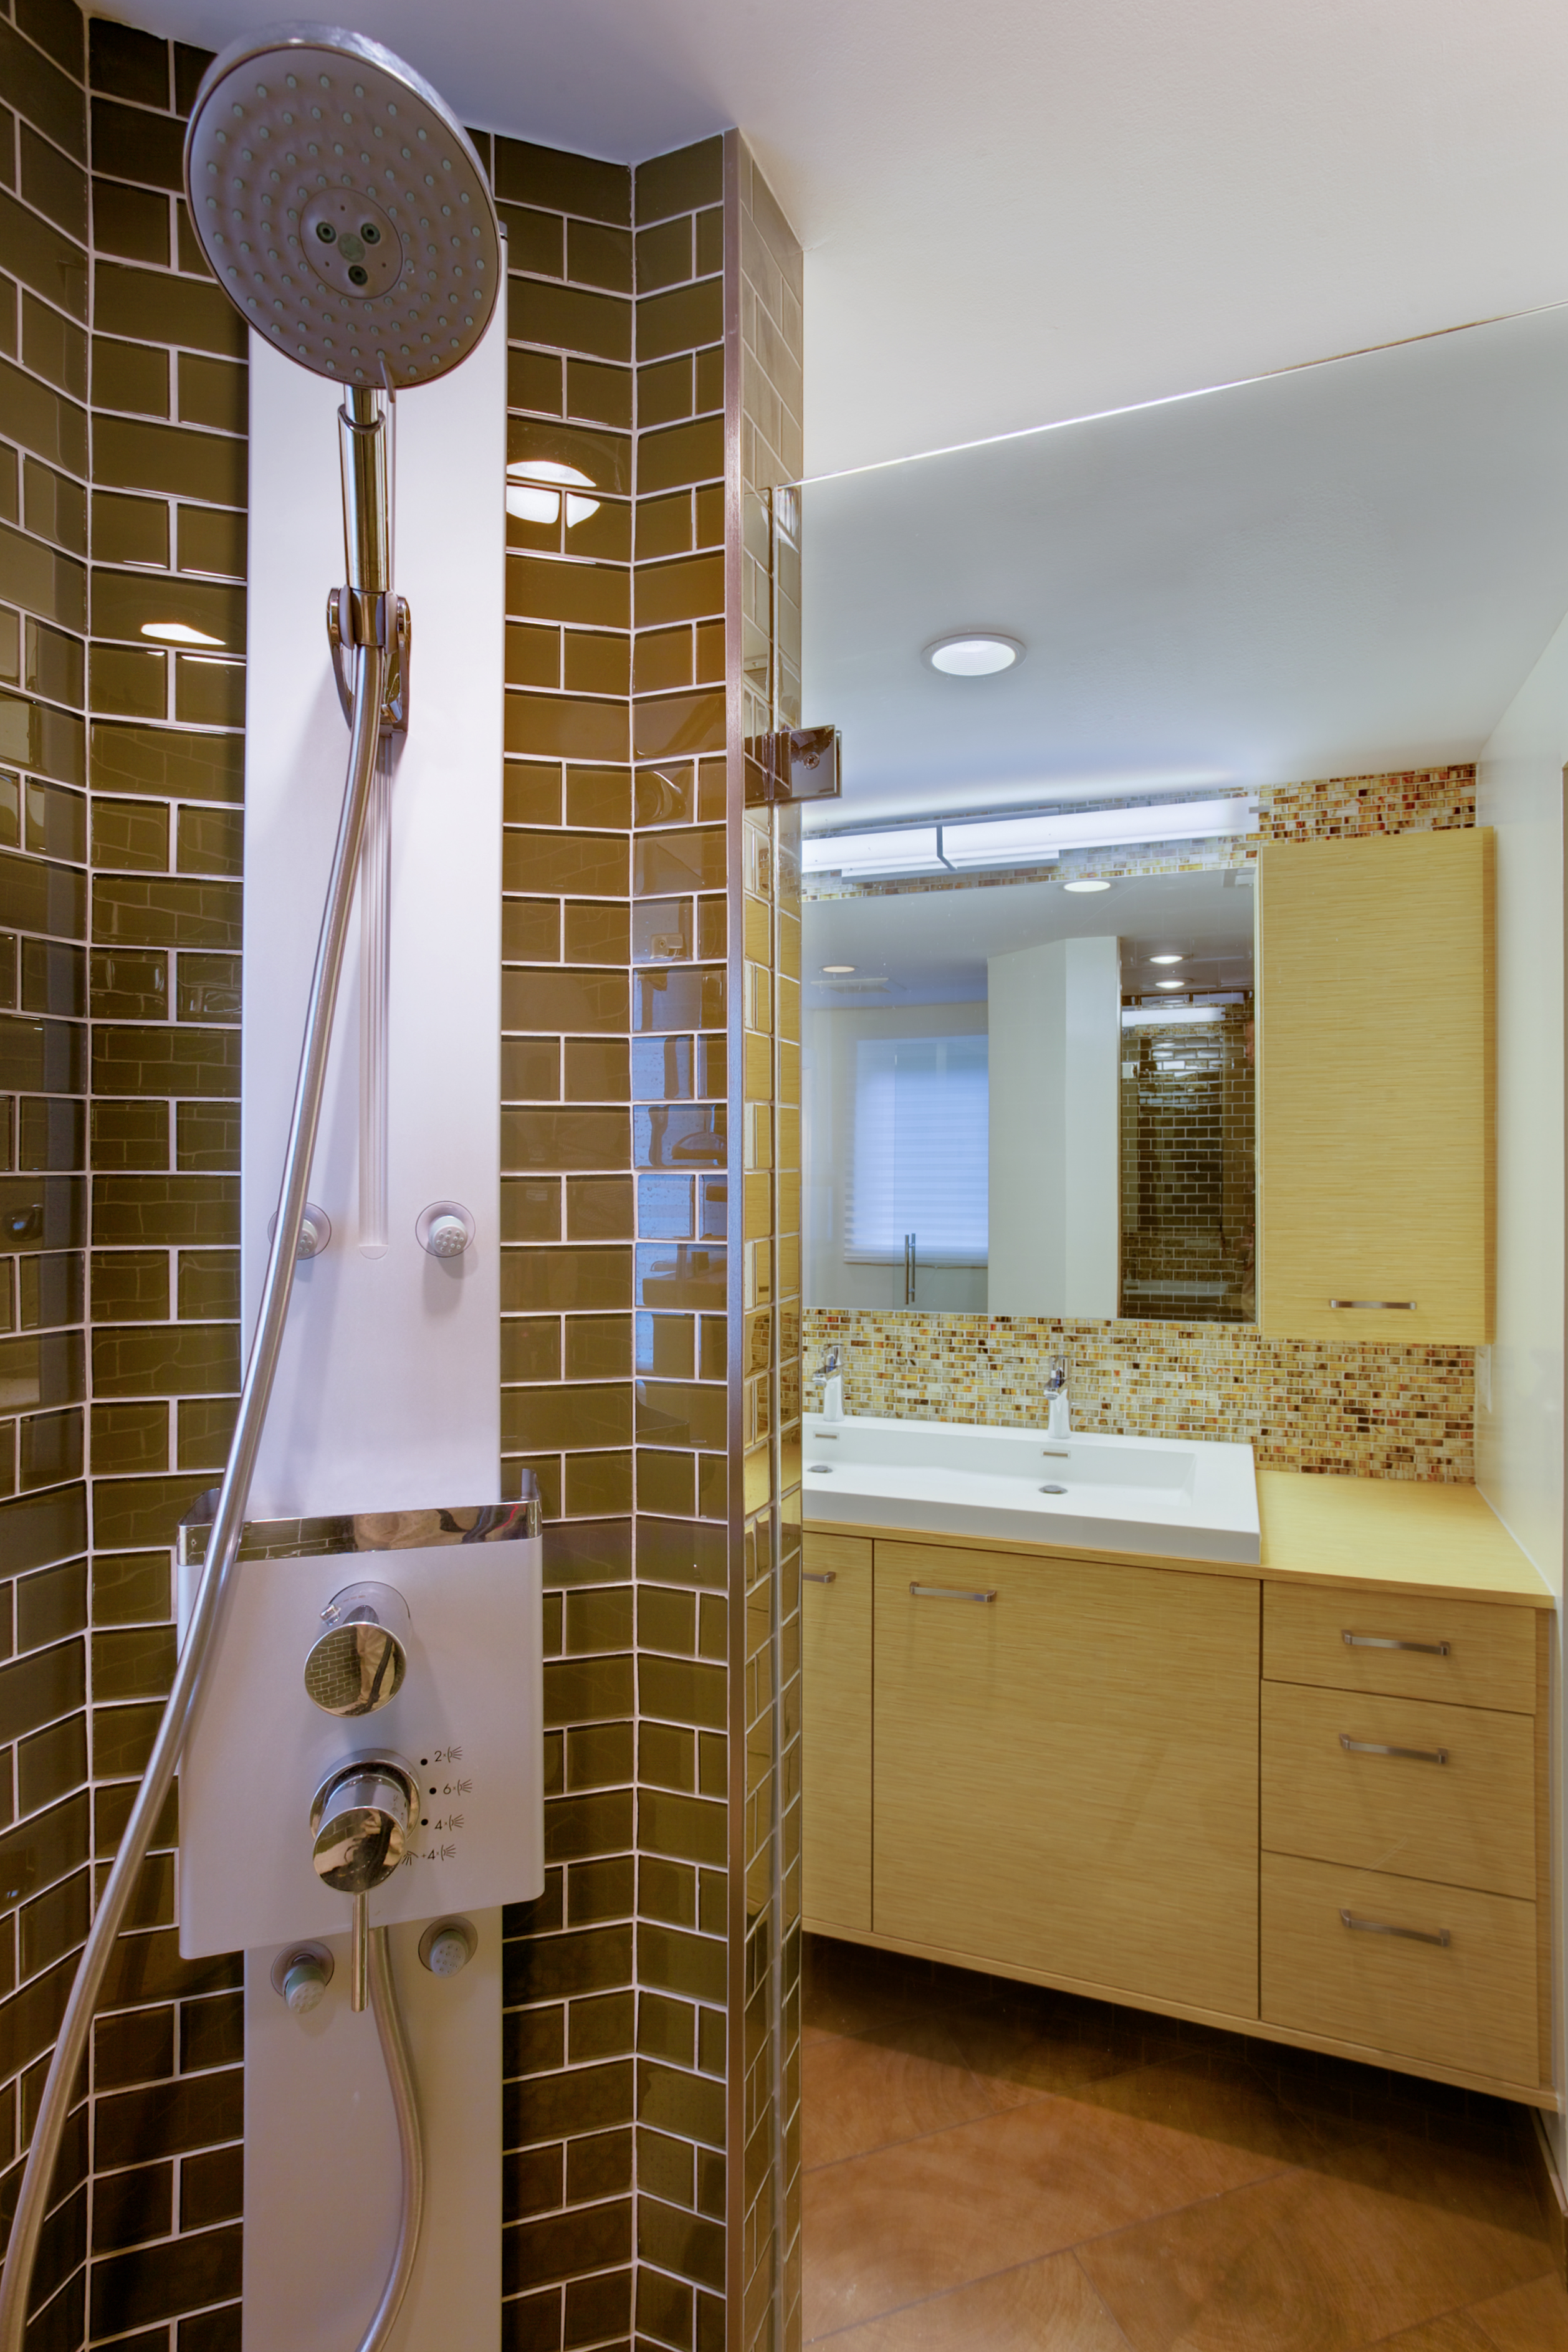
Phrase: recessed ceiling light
(837,967)
(1089,882)
(979,653)
(177,633)
(1164,958)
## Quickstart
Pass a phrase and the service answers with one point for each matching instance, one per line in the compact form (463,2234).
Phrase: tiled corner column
(126,404)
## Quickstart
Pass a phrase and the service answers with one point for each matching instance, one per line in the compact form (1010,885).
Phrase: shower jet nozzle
(342,207)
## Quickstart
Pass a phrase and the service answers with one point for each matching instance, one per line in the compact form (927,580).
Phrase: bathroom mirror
(1187,613)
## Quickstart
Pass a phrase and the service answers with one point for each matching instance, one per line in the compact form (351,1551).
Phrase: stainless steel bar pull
(948,1593)
(1387,1641)
(1375,1748)
(1382,1927)
(819,1575)
(1378,1305)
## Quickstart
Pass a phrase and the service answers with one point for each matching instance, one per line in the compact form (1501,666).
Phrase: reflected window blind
(920,1162)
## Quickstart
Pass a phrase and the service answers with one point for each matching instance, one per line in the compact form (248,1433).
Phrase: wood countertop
(1443,1539)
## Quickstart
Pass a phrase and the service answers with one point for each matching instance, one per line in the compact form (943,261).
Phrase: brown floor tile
(889,2229)
(848,1988)
(1045,2307)
(1221,2099)
(1384,2236)
(873,2090)
(1532,2318)
(1454,2333)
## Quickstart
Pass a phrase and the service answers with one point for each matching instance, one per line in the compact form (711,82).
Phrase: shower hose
(206,1618)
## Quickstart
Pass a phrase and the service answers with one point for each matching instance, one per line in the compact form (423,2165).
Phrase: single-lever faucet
(1060,1424)
(832,1387)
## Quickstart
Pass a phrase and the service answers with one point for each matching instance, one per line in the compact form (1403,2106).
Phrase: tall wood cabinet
(1375,1087)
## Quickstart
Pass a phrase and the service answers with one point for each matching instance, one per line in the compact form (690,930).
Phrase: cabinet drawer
(836,1731)
(1467,2003)
(1466,1652)
(1457,1806)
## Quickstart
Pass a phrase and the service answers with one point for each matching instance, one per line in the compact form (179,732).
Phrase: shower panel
(356,1708)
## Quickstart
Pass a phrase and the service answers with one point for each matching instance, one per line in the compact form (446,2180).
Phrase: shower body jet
(381,278)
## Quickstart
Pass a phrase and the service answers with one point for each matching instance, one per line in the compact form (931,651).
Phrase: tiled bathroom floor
(990,2168)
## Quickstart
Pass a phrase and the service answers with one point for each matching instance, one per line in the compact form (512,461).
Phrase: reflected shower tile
(665,1208)
(680,1276)
(665,1136)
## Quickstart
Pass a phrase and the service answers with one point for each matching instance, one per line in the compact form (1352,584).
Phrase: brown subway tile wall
(121,769)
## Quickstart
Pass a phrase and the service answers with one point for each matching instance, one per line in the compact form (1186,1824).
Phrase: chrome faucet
(1059,1421)
(832,1387)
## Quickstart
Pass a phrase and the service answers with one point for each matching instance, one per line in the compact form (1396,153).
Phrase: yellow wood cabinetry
(1066,1771)
(1376,1086)
(1410,1645)
(836,1739)
(1394,1965)
(1396,1784)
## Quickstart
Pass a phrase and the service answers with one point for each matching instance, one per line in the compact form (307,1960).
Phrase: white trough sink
(1184,1499)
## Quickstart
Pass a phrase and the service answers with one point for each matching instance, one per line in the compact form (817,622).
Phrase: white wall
(1055,1042)
(1519,1431)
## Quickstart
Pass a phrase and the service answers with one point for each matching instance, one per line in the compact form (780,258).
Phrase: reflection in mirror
(1024,1100)
(1079,675)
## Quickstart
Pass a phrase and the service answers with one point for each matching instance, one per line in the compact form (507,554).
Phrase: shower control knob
(445,1229)
(358,1663)
(360,1822)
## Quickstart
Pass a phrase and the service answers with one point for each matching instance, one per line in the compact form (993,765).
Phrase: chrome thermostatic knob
(360,1822)
(445,1229)
(358,1663)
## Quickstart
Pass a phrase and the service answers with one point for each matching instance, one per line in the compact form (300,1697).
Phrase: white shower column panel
(388,1389)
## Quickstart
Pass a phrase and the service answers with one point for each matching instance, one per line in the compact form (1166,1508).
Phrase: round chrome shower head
(342,206)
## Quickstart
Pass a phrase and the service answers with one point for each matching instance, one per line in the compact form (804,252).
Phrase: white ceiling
(1032,209)
(1343,570)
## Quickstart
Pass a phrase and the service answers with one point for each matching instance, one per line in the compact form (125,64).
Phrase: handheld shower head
(342,206)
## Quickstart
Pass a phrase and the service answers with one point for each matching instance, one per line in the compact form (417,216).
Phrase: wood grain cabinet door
(1375,1087)
(836,1732)
(1066,1771)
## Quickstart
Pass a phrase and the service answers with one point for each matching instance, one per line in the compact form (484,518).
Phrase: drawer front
(1457,1805)
(1469,2003)
(836,1730)
(1463,1652)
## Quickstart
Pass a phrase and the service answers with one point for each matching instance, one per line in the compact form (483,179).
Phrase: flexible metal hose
(410,2141)
(223,1547)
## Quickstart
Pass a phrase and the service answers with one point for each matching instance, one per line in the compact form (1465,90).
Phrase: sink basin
(1182,1498)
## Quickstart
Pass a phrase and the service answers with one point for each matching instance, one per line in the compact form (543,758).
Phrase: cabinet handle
(1379,1306)
(1382,1927)
(1387,1641)
(948,1593)
(819,1575)
(1375,1748)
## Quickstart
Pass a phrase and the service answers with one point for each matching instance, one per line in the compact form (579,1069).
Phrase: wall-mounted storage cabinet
(1375,1087)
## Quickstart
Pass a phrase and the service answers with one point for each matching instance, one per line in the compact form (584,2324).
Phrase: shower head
(342,206)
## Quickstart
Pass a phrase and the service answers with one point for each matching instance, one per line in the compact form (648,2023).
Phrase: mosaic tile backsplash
(1338,1409)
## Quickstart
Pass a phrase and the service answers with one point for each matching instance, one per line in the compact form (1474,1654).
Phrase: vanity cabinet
(1313,1810)
(1375,1112)
(1066,1764)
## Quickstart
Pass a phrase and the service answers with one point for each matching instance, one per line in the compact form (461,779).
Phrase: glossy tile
(1530,2318)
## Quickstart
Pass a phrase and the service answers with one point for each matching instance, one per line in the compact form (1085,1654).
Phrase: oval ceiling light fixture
(837,967)
(1089,882)
(975,653)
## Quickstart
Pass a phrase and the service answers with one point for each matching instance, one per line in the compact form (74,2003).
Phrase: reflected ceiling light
(177,633)
(837,967)
(1169,983)
(1162,1015)
(534,489)
(1164,960)
(979,653)
(1089,882)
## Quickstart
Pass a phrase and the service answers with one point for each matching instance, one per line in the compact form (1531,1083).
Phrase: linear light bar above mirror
(1024,840)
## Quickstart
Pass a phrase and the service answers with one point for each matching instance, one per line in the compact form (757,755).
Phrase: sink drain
(1053,1490)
